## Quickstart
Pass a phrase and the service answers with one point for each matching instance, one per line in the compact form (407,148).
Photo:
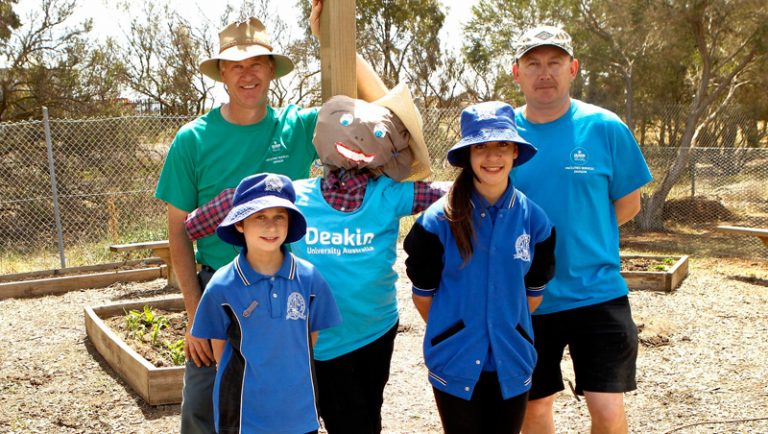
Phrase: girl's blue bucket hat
(492,121)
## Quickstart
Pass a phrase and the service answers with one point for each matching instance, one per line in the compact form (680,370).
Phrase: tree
(395,34)
(727,37)
(617,37)
(49,63)
(9,21)
(161,57)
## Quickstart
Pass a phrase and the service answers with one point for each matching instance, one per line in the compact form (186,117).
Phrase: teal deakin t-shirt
(586,159)
(210,154)
(355,252)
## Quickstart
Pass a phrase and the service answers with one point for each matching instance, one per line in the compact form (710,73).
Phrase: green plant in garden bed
(664,265)
(145,326)
(176,351)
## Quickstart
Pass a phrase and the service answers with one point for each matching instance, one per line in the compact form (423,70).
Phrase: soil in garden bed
(647,264)
(158,349)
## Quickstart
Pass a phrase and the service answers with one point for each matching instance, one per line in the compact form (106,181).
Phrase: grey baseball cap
(543,35)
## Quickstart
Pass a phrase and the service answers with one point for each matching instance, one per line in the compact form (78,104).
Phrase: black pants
(351,387)
(485,413)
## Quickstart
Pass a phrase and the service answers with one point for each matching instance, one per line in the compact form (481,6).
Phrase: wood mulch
(702,365)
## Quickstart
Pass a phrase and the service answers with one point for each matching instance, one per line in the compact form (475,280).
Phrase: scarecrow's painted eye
(346,119)
(379,131)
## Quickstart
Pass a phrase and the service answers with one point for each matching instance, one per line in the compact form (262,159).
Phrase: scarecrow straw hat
(400,102)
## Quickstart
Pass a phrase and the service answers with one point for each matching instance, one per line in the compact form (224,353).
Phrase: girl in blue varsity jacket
(479,260)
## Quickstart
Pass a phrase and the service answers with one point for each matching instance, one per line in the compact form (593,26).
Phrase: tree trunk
(652,207)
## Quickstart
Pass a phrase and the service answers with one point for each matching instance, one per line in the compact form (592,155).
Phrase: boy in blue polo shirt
(262,312)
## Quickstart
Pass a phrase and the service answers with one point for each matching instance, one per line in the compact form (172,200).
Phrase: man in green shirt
(214,152)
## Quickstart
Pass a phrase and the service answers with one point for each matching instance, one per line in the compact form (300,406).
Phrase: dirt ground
(702,368)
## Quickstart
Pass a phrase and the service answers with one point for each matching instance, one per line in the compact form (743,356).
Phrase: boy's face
(266,230)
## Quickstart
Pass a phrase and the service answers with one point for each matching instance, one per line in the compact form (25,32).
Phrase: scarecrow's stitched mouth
(352,155)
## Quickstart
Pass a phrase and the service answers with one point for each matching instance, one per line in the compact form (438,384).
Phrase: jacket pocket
(447,333)
(523,333)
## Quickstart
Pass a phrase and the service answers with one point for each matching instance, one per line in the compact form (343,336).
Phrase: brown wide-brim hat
(400,102)
(242,40)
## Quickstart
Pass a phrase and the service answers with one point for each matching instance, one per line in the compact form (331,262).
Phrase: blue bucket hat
(492,121)
(256,193)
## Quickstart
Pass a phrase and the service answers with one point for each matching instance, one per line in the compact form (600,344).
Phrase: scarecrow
(374,161)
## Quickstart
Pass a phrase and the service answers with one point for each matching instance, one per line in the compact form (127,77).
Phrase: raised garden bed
(658,273)
(155,385)
(58,281)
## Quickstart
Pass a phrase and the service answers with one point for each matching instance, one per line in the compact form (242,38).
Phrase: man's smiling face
(247,81)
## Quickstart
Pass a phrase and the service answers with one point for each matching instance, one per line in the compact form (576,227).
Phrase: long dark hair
(458,209)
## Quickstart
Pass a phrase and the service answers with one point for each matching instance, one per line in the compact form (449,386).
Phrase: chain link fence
(97,187)
(104,172)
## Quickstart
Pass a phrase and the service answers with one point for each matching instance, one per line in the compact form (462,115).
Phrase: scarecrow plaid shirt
(343,190)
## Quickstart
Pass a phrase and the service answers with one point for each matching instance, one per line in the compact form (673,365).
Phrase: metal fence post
(54,188)
(692,167)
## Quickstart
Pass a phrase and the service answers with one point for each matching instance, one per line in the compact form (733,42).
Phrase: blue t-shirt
(586,159)
(355,252)
(264,378)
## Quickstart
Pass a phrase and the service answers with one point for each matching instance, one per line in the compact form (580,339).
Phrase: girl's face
(491,162)
(266,230)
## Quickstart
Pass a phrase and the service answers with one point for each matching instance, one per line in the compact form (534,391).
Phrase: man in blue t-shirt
(587,177)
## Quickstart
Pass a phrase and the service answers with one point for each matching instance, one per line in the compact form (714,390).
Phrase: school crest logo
(273,184)
(522,247)
(297,307)
(485,111)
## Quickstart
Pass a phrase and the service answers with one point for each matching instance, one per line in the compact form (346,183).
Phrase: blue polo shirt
(264,379)
(480,308)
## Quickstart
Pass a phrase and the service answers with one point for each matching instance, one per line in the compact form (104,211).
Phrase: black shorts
(602,340)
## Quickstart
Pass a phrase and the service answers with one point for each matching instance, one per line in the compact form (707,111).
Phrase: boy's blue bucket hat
(256,193)
(492,121)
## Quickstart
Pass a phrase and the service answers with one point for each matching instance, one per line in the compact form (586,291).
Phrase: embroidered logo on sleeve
(297,308)
(522,247)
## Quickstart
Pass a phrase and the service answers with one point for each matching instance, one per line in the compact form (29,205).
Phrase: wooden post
(337,48)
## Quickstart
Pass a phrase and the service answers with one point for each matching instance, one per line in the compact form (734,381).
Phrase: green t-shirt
(210,154)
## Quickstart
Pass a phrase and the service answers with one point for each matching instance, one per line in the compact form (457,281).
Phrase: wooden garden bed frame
(155,385)
(59,281)
(665,281)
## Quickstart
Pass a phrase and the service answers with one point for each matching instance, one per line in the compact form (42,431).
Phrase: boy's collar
(249,276)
